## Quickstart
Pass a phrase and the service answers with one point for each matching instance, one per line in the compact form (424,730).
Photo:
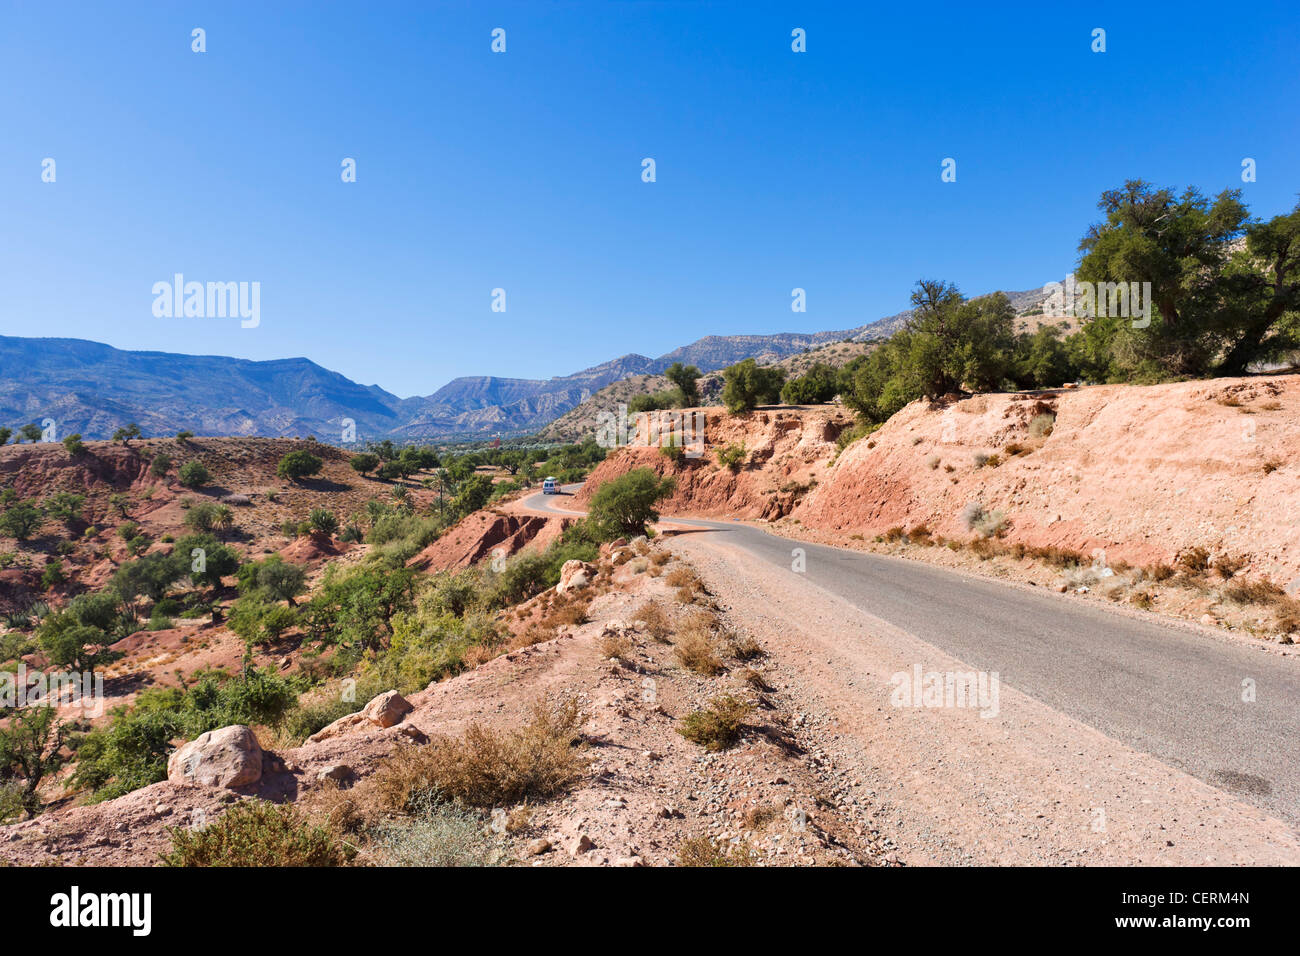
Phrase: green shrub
(193,474)
(718,725)
(53,575)
(255,833)
(733,456)
(364,462)
(323,521)
(818,385)
(298,464)
(20,520)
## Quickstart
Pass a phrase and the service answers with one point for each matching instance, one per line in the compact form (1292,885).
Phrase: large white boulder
(228,757)
(575,574)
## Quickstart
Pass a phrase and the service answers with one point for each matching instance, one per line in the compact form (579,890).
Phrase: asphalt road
(1165,690)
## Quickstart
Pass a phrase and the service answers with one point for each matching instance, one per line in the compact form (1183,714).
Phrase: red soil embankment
(1143,472)
(485,533)
(787,451)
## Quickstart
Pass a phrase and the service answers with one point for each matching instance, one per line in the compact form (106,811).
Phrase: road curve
(1169,691)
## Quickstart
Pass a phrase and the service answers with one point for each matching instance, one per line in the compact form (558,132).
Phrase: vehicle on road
(549,487)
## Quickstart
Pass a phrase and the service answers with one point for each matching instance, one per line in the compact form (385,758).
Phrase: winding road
(1168,690)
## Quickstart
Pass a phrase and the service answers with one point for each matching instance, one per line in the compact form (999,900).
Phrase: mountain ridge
(93,388)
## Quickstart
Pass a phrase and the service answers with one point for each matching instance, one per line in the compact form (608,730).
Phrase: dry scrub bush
(1227,566)
(654,618)
(759,817)
(486,767)
(1258,591)
(682,577)
(704,851)
(1193,560)
(437,834)
(743,647)
(615,646)
(718,725)
(660,558)
(694,649)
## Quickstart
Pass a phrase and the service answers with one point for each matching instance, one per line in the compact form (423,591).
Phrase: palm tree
(223,519)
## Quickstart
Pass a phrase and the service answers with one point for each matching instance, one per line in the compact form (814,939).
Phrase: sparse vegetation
(486,767)
(255,833)
(718,725)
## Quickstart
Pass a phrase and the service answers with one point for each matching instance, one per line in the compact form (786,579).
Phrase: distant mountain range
(94,389)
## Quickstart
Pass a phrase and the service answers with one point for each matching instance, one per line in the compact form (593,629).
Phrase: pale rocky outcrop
(386,710)
(573,575)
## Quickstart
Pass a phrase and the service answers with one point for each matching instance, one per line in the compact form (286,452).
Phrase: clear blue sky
(523,170)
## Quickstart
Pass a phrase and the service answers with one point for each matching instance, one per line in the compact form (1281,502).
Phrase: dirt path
(1027,785)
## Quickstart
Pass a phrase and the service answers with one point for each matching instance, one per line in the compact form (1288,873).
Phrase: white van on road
(549,487)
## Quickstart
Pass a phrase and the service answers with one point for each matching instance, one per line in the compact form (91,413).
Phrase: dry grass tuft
(704,851)
(695,650)
(615,646)
(761,816)
(654,618)
(744,648)
(1193,560)
(486,767)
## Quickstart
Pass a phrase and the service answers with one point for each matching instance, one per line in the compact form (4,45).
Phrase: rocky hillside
(1143,472)
(94,389)
(786,452)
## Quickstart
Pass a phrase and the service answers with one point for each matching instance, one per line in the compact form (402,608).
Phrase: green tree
(1182,245)
(20,520)
(72,443)
(5,435)
(150,575)
(79,647)
(193,474)
(213,562)
(298,464)
(65,506)
(1263,304)
(274,579)
(162,463)
(625,505)
(364,462)
(818,385)
(686,378)
(31,432)
(31,748)
(1042,359)
(748,384)
(472,495)
(124,435)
